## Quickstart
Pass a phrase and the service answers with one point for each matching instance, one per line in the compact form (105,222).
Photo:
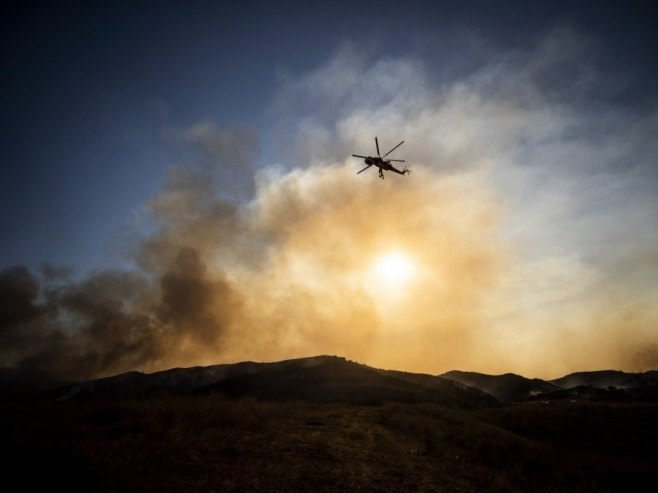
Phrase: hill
(328,424)
(506,388)
(333,379)
(314,379)
(607,378)
(606,385)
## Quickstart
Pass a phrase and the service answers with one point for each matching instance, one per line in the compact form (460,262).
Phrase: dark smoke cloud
(528,229)
(191,301)
(170,309)
(21,313)
(111,321)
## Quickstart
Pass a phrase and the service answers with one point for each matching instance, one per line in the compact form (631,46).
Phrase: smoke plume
(525,225)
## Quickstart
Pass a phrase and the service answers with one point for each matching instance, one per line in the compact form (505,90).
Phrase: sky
(177,186)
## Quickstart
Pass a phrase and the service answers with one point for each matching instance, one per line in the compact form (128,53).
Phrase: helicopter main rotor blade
(397,160)
(394,148)
(377,144)
(363,157)
(364,169)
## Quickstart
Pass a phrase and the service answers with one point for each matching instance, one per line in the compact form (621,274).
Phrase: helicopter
(381,163)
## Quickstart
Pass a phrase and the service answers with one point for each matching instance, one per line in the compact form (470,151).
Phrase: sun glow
(392,269)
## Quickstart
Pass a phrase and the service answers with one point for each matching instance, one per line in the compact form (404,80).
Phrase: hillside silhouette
(333,379)
(595,385)
(313,379)
(336,379)
(507,388)
(325,423)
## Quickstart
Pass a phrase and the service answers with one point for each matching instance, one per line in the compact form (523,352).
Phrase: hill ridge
(331,377)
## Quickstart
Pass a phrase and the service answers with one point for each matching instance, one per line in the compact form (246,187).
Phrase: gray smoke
(111,321)
(529,222)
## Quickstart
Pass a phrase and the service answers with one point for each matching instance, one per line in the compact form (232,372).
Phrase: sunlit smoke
(495,255)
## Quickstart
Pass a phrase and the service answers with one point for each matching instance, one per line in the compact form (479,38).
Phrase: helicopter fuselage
(381,163)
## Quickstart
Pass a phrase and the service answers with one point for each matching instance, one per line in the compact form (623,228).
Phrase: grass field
(211,443)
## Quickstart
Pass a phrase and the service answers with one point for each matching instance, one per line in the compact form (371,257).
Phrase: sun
(392,268)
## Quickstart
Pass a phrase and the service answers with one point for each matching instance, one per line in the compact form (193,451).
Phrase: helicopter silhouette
(381,163)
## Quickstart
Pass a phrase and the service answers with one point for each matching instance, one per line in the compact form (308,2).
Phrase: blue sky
(89,91)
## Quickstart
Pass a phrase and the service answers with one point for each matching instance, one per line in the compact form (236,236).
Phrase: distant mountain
(610,394)
(607,378)
(609,385)
(315,379)
(506,388)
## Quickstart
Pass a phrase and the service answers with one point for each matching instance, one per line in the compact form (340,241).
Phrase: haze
(524,241)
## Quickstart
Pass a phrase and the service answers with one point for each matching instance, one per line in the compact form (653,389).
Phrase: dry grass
(210,443)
